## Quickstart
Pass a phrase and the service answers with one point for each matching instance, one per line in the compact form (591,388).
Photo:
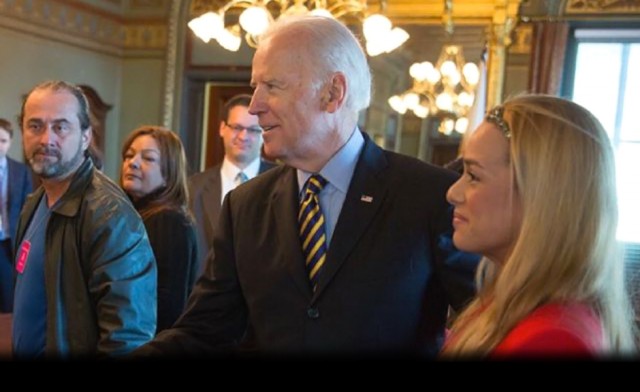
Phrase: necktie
(241,178)
(312,234)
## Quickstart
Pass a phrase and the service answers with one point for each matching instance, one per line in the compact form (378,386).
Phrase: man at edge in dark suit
(383,286)
(15,185)
(242,138)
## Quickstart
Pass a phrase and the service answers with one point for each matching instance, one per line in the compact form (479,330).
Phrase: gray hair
(332,48)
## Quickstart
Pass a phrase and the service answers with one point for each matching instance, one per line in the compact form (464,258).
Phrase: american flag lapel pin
(366,198)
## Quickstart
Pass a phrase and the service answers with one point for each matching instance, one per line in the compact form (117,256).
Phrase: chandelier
(255,16)
(445,90)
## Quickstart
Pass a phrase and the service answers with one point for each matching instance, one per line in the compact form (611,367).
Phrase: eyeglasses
(254,130)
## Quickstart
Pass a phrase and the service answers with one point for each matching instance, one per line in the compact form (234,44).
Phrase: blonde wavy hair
(563,169)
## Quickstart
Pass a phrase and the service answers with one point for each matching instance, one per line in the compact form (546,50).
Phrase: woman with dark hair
(154,177)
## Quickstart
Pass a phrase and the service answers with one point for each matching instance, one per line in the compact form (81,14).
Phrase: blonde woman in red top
(538,200)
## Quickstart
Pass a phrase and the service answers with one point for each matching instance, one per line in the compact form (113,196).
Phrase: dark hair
(58,85)
(173,166)
(6,125)
(236,100)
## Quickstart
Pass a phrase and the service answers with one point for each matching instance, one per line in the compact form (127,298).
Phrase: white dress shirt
(229,174)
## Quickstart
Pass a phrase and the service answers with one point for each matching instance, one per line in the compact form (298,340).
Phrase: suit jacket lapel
(285,209)
(12,178)
(364,198)
(211,200)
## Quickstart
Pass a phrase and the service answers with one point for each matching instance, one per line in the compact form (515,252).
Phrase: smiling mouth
(268,128)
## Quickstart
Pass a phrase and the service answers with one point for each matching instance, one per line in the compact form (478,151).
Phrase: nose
(243,134)
(454,194)
(48,137)
(133,162)
(257,106)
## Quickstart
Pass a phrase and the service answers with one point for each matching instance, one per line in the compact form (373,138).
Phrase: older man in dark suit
(242,138)
(337,251)
(15,185)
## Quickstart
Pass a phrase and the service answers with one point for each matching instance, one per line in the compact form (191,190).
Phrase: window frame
(595,32)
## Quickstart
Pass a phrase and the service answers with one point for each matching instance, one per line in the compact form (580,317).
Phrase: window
(607,82)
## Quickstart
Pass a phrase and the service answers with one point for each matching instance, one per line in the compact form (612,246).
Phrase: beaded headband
(496,116)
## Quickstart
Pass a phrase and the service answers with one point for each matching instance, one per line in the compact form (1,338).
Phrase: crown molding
(84,26)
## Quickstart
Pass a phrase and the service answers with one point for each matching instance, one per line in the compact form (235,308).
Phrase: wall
(141,98)
(118,48)
(516,78)
(29,60)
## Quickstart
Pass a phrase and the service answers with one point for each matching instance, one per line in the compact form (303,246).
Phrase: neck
(241,165)
(55,189)
(313,164)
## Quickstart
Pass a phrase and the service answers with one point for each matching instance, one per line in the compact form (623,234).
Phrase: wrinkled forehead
(290,50)
(52,98)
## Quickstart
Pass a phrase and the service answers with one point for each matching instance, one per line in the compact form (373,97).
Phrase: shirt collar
(230,170)
(339,170)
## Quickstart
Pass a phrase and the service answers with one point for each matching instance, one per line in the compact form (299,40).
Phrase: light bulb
(255,20)
(416,71)
(461,125)
(375,26)
(444,101)
(397,104)
(421,111)
(446,126)
(448,67)
(471,73)
(465,99)
(230,38)
(207,26)
(395,38)
(454,78)
(433,76)
(411,100)
(374,48)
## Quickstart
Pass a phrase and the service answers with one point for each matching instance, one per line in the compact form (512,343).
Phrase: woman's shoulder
(169,216)
(556,329)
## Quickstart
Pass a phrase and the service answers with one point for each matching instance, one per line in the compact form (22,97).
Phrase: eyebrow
(56,121)
(472,162)
(144,150)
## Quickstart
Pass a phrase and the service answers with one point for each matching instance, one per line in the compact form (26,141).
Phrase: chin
(460,242)
(128,188)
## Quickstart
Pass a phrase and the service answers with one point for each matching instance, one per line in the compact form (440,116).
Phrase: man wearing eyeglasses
(242,137)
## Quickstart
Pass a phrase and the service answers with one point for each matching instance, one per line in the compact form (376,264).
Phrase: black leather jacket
(100,272)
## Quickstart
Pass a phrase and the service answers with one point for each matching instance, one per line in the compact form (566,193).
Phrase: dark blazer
(204,191)
(385,286)
(19,186)
(172,236)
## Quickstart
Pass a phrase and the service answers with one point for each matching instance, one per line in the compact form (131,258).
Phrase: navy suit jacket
(19,186)
(205,189)
(385,287)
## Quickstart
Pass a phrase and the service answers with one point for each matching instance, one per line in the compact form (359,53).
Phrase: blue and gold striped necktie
(312,234)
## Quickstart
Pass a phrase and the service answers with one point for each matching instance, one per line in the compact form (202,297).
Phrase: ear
(335,93)
(86,138)
(221,128)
